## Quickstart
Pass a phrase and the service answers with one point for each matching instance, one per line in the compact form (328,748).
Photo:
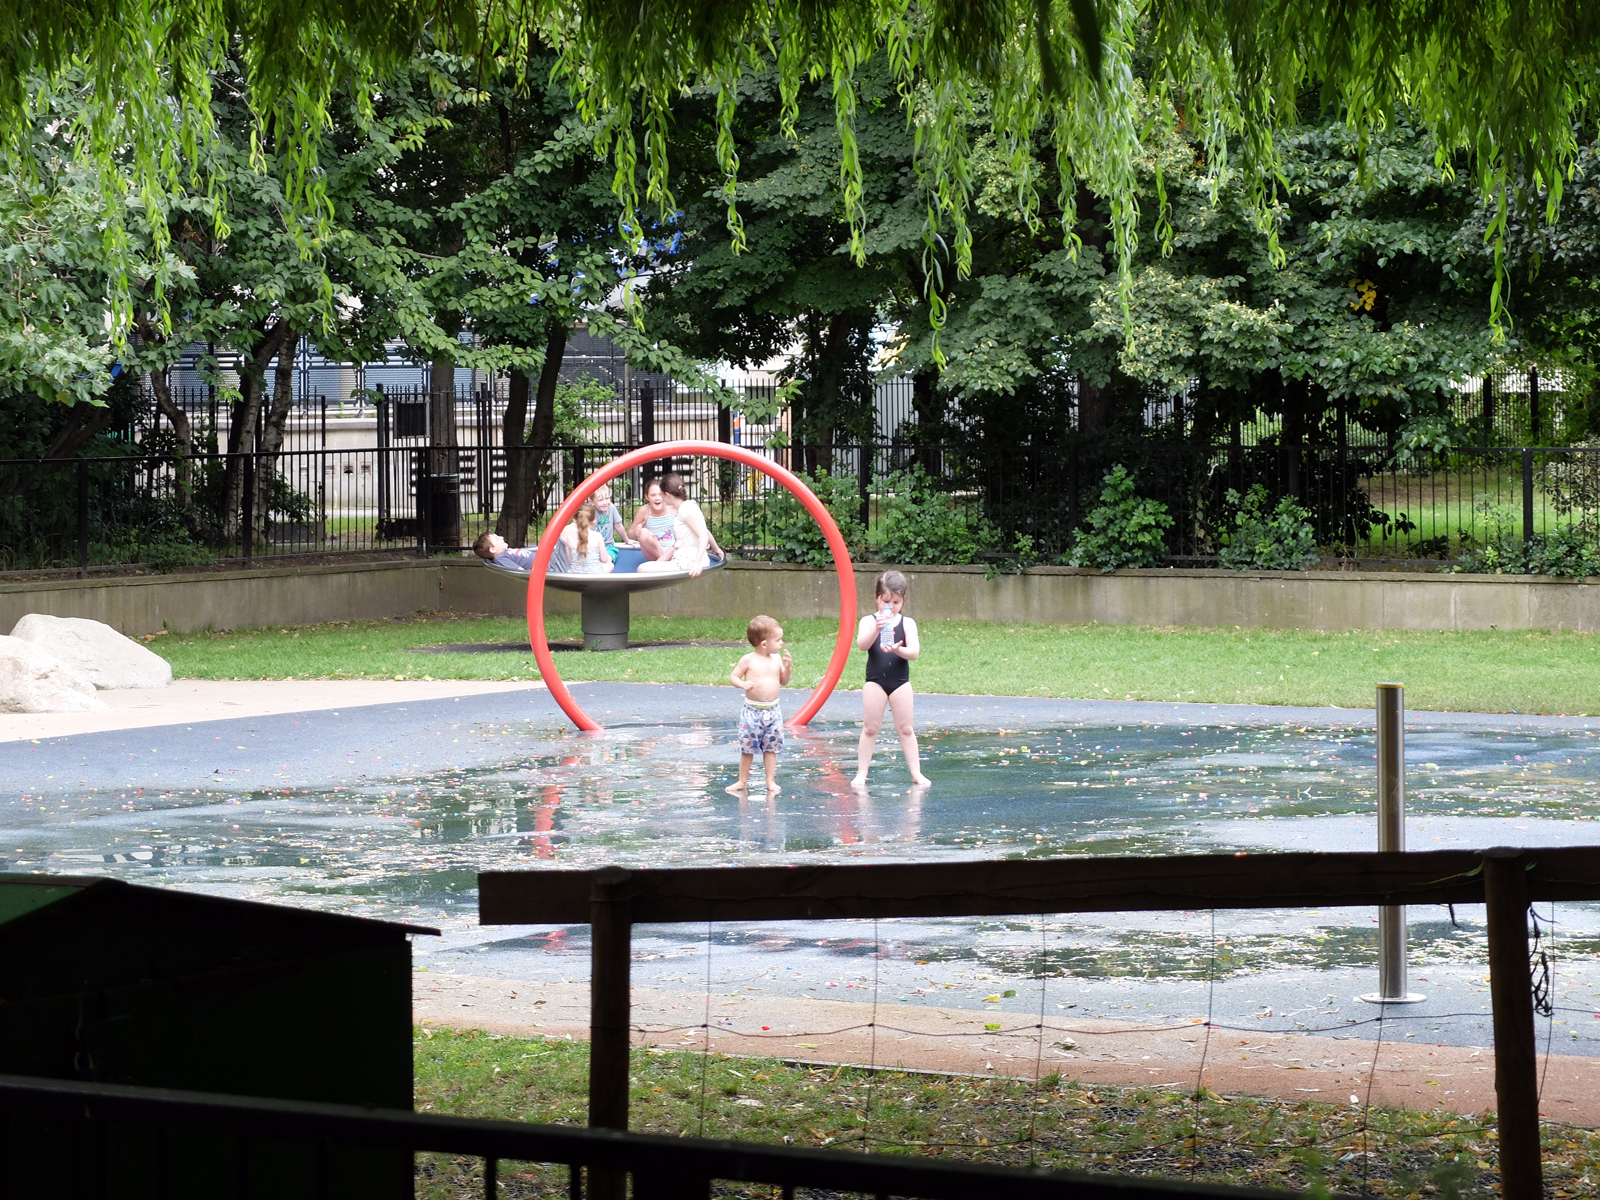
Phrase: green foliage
(918,524)
(780,522)
(1124,531)
(1059,71)
(168,552)
(1279,540)
(571,401)
(1573,483)
(1423,440)
(1566,551)
(1569,550)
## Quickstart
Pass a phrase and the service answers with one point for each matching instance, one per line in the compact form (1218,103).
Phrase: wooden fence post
(1516,1058)
(610,956)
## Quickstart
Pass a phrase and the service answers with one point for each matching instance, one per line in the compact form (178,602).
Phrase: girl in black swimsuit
(888,676)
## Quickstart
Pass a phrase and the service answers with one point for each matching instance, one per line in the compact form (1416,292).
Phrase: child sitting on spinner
(608,521)
(761,673)
(493,547)
(586,550)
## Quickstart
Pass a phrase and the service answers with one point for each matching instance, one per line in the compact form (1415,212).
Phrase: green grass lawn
(1059,1124)
(1489,671)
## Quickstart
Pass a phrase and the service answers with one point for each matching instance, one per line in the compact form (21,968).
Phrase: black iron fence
(614,402)
(619,408)
(62,1138)
(1491,508)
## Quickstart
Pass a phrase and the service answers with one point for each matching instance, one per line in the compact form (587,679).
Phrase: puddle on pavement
(410,848)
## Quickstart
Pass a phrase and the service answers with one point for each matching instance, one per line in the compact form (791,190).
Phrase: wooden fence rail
(611,900)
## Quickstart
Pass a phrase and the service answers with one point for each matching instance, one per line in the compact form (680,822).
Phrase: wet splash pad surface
(391,810)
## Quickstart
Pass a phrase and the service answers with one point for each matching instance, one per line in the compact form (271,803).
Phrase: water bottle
(886,633)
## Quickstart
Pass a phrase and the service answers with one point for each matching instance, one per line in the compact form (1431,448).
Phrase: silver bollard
(1391,840)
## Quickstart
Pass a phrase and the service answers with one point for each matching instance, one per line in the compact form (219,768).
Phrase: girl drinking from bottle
(890,640)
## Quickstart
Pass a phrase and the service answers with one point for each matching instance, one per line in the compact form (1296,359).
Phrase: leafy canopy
(1504,80)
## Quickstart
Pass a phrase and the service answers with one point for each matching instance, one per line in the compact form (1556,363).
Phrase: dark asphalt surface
(415,738)
(389,810)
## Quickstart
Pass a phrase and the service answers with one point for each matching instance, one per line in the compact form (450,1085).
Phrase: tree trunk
(1094,406)
(518,499)
(542,429)
(183,431)
(1295,398)
(444,458)
(242,426)
(528,478)
(929,407)
(828,343)
(272,431)
(84,421)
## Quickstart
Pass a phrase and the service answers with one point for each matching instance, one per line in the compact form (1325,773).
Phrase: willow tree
(1507,83)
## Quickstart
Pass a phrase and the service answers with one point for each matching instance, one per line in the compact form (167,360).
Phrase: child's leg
(744,774)
(770,761)
(651,547)
(901,704)
(873,698)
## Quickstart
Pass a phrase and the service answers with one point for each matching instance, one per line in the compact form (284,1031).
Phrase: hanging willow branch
(1508,82)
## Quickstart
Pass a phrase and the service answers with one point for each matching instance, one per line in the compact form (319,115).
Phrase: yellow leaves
(1366,294)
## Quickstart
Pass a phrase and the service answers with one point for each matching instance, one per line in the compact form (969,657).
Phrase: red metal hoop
(652,453)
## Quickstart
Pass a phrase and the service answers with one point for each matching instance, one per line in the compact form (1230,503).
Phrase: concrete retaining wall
(1063,595)
(1047,595)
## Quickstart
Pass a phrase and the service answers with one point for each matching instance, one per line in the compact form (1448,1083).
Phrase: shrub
(1123,530)
(1573,484)
(1570,550)
(1567,551)
(783,523)
(167,552)
(917,524)
(1280,540)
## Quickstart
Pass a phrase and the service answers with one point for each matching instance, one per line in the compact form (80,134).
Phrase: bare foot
(859,783)
(772,787)
(921,780)
(737,789)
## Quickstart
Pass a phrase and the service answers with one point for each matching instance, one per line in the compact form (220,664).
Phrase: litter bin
(108,982)
(444,510)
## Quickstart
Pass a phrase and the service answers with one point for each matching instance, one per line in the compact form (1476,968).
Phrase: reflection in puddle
(410,847)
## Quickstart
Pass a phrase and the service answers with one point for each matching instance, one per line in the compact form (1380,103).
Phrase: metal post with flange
(1392,840)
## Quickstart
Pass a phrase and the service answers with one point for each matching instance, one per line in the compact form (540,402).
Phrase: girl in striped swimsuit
(653,523)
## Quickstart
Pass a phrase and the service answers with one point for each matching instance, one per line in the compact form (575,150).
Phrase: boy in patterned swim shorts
(761,673)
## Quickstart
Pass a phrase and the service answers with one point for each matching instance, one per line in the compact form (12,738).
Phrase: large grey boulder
(96,651)
(32,680)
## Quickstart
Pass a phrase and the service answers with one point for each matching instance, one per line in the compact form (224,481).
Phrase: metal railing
(243,1129)
(610,899)
(1533,509)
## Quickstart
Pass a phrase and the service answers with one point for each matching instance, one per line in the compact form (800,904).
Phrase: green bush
(1570,550)
(1280,540)
(782,522)
(917,524)
(1123,531)
(167,552)
(1567,551)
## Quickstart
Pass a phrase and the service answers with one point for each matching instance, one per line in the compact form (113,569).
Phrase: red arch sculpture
(647,454)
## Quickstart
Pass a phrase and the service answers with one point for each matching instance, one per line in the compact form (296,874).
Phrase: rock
(96,651)
(32,680)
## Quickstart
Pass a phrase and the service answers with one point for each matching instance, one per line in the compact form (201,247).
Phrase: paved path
(190,701)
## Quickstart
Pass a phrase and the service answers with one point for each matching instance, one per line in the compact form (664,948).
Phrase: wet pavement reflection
(407,845)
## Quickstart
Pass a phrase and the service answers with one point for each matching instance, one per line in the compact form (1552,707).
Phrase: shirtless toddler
(761,673)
